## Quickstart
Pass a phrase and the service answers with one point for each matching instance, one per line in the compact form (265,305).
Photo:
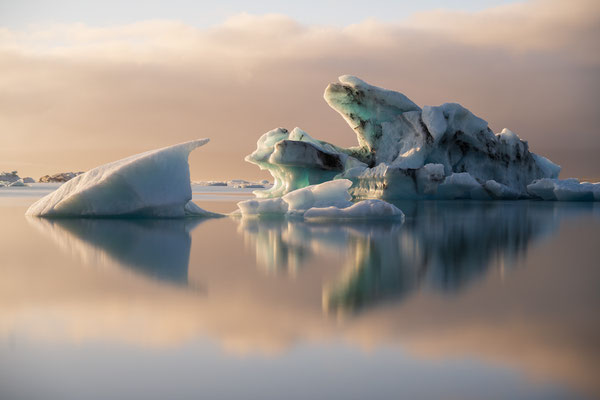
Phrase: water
(465,300)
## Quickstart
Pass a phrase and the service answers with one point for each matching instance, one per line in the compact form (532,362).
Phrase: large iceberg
(326,201)
(151,184)
(408,152)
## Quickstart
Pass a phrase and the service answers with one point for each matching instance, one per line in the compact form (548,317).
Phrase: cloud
(538,25)
(74,96)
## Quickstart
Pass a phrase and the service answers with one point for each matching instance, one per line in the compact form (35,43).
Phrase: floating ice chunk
(210,183)
(28,180)
(500,191)
(9,177)
(542,188)
(457,186)
(234,183)
(571,190)
(332,193)
(371,209)
(151,184)
(275,206)
(564,190)
(329,200)
(18,183)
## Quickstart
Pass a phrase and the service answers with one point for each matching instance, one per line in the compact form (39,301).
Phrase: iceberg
(234,183)
(151,184)
(325,201)
(408,152)
(12,179)
(9,177)
(296,160)
(19,183)
(564,190)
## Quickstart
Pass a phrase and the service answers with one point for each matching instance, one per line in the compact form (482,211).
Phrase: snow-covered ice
(406,152)
(325,201)
(151,184)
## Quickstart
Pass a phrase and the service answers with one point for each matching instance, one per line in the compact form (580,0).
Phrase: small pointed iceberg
(151,184)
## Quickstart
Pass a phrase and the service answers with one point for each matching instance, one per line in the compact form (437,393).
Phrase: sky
(208,13)
(85,84)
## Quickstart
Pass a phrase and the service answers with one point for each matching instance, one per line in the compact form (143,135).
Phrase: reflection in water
(159,248)
(540,319)
(442,245)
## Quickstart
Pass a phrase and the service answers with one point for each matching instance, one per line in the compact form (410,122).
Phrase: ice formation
(151,184)
(325,201)
(405,152)
(7,178)
(234,183)
(564,190)
(20,182)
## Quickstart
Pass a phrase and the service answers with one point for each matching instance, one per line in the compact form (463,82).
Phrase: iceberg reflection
(158,248)
(472,280)
(442,246)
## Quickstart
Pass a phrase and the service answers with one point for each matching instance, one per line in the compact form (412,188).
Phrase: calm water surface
(466,300)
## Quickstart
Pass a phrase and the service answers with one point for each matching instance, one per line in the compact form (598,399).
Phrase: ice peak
(155,183)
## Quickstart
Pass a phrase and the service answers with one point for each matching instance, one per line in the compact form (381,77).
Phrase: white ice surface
(151,184)
(332,193)
(398,143)
(328,200)
(274,206)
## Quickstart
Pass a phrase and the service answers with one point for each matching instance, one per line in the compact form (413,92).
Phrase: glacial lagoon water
(465,300)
